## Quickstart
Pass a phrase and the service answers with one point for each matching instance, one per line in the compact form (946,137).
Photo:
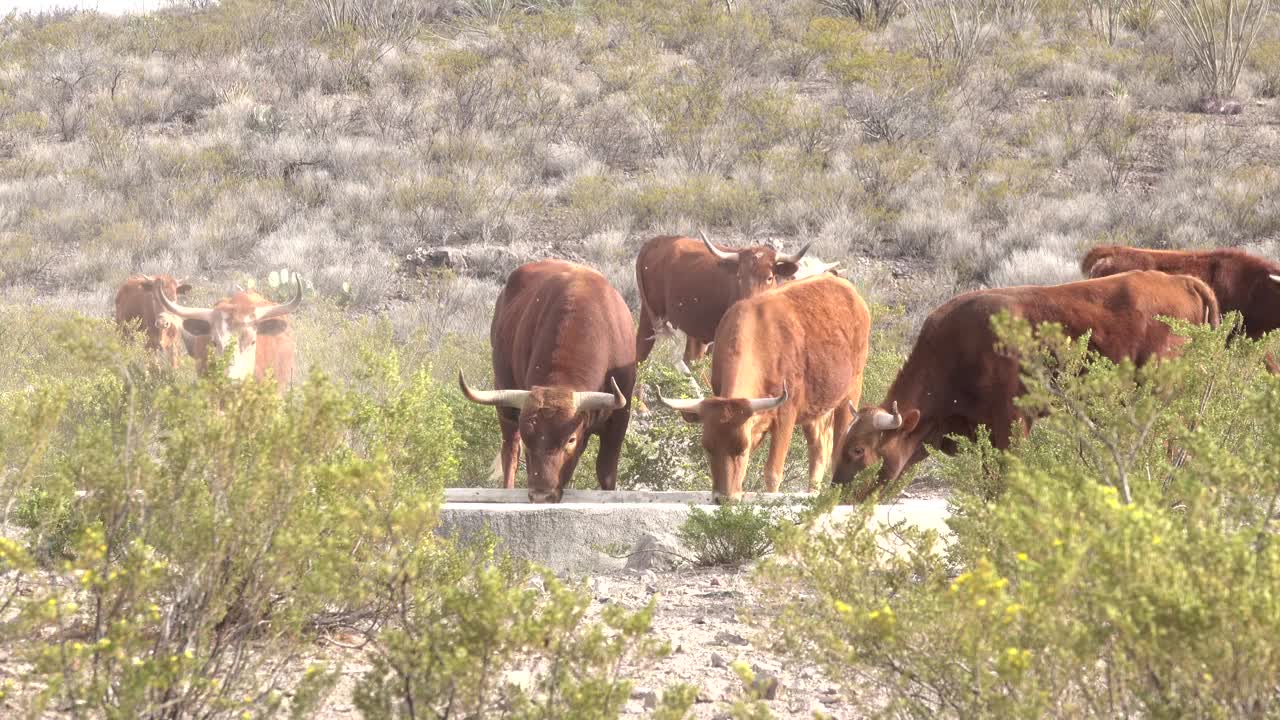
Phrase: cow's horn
(730,257)
(887,421)
(503,398)
(761,404)
(681,404)
(796,257)
(1274,278)
(265,313)
(182,311)
(588,401)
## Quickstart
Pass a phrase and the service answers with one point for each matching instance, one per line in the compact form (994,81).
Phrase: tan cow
(137,306)
(790,356)
(257,327)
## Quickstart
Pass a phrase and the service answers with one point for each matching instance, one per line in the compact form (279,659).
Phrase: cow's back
(812,334)
(557,322)
(1120,311)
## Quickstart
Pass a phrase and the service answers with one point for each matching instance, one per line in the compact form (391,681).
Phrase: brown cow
(258,327)
(1242,282)
(136,301)
(794,355)
(954,380)
(688,284)
(564,364)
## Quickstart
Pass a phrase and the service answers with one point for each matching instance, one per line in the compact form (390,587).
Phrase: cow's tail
(1098,262)
(1208,300)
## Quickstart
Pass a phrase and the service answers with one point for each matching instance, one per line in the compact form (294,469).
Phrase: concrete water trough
(597,530)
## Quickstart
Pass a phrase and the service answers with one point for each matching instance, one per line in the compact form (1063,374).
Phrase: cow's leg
(509,455)
(779,442)
(645,335)
(611,439)
(819,437)
(694,350)
(841,419)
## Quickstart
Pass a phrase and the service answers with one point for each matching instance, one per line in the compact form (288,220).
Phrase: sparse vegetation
(179,545)
(1119,561)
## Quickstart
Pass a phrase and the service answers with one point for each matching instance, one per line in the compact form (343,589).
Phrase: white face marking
(243,361)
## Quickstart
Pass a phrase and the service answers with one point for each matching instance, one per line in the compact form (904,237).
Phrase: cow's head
(757,268)
(877,434)
(168,327)
(240,318)
(730,428)
(553,427)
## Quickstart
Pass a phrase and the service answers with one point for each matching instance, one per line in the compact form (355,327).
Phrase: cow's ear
(785,269)
(184,288)
(691,417)
(148,285)
(910,419)
(272,326)
(196,327)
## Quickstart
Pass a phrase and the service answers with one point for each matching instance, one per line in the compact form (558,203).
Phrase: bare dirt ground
(702,614)
(711,617)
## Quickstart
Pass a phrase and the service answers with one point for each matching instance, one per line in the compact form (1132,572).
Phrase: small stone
(714,582)
(767,686)
(699,620)
(725,637)
(718,661)
(648,697)
(703,697)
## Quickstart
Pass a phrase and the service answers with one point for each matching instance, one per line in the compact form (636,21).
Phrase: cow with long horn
(1245,283)
(687,285)
(564,366)
(137,306)
(258,328)
(791,356)
(955,380)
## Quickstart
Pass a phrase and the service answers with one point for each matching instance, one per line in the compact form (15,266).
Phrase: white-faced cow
(258,328)
(564,365)
(790,356)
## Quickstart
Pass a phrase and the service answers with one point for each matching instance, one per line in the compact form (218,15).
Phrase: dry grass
(229,142)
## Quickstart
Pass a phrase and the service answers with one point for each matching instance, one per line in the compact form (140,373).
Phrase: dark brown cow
(136,306)
(954,380)
(564,364)
(258,327)
(688,284)
(1242,282)
(794,355)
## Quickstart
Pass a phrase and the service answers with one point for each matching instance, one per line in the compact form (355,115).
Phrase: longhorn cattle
(258,328)
(1242,282)
(136,306)
(954,380)
(793,355)
(564,366)
(688,284)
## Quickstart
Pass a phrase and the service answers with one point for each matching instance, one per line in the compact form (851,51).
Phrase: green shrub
(208,531)
(735,533)
(476,639)
(1120,561)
